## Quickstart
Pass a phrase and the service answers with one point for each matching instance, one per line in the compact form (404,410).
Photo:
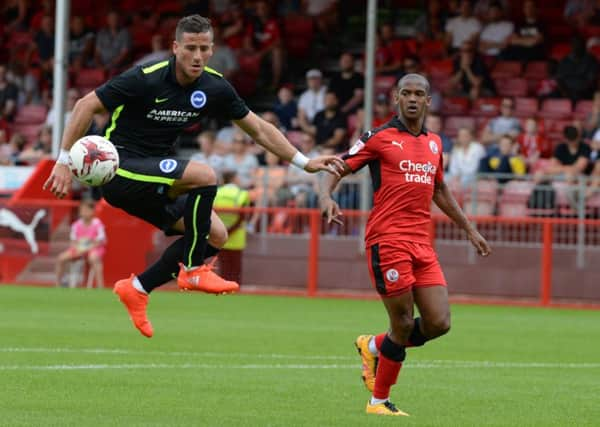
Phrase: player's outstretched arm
(59,181)
(268,136)
(444,199)
(329,207)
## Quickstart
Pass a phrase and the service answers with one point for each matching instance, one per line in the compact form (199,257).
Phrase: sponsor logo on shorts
(392,275)
(358,145)
(198,99)
(167,165)
(433,146)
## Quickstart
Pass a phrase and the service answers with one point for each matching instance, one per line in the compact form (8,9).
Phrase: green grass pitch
(72,358)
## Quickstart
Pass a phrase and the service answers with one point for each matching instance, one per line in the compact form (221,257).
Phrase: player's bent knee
(438,326)
(199,175)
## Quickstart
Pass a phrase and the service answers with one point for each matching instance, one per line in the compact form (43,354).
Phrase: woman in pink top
(88,241)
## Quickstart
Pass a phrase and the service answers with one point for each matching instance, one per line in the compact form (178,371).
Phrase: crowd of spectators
(482,57)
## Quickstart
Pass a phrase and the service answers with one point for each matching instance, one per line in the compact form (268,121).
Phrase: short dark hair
(414,77)
(571,133)
(192,24)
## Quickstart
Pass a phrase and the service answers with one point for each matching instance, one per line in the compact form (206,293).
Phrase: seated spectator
(263,38)
(505,124)
(577,73)
(223,59)
(286,108)
(433,123)
(465,158)
(208,153)
(240,159)
(233,25)
(496,32)
(570,159)
(532,144)
(44,43)
(9,94)
(431,24)
(88,242)
(113,45)
(470,76)
(482,7)
(42,149)
(382,111)
(527,41)
(410,65)
(593,168)
(16,145)
(329,126)
(14,15)
(158,53)
(463,28)
(592,121)
(81,43)
(72,97)
(506,161)
(388,57)
(312,100)
(348,85)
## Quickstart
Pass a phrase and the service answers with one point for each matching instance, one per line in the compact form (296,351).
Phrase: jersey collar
(395,122)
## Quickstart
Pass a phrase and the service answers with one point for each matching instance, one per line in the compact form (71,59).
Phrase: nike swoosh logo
(160,100)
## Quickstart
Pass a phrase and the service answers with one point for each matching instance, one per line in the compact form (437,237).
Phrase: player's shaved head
(192,24)
(416,79)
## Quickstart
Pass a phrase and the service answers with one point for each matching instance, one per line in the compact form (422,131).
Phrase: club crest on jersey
(167,165)
(358,145)
(392,275)
(198,99)
(433,146)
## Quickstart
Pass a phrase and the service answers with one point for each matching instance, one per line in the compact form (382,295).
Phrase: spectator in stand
(482,7)
(592,121)
(42,149)
(5,149)
(388,54)
(594,165)
(470,76)
(312,100)
(433,123)
(302,185)
(410,65)
(207,141)
(325,15)
(348,85)
(506,161)
(88,241)
(9,94)
(113,45)
(382,111)
(286,108)
(533,145)
(233,25)
(14,15)
(72,97)
(240,159)
(465,158)
(17,144)
(158,53)
(570,159)
(431,24)
(496,32)
(26,82)
(578,12)
(223,59)
(527,41)
(263,38)
(44,43)
(81,44)
(577,73)
(505,124)
(329,126)
(462,28)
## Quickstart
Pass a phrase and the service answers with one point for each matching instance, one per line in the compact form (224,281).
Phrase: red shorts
(397,267)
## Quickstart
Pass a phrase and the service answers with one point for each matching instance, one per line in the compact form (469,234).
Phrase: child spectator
(88,242)
(506,161)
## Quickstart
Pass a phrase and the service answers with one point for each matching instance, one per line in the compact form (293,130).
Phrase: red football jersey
(404,169)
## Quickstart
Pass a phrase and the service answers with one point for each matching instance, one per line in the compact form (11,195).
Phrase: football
(93,160)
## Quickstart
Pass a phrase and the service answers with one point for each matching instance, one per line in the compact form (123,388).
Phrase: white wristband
(63,157)
(300,160)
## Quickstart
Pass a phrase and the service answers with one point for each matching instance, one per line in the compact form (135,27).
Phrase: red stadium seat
(582,109)
(554,129)
(482,199)
(486,107)
(298,35)
(383,84)
(89,77)
(432,49)
(249,64)
(526,107)
(439,68)
(455,106)
(453,123)
(511,87)
(595,50)
(559,50)
(536,70)
(31,115)
(29,131)
(505,69)
(555,109)
(514,198)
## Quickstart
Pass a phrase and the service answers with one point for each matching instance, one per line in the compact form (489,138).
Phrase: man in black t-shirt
(329,126)
(150,105)
(570,159)
(527,41)
(348,85)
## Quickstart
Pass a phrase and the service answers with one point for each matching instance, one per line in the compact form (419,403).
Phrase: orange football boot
(205,280)
(135,302)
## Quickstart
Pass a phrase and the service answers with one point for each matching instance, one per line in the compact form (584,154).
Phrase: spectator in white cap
(312,100)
